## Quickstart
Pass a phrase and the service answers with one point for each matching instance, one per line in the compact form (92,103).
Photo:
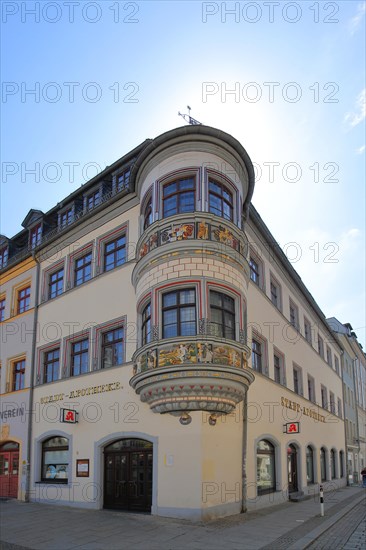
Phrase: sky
(85,82)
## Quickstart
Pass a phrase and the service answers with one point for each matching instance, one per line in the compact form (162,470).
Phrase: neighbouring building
(181,366)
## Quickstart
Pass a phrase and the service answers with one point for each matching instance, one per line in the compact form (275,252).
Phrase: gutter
(244,457)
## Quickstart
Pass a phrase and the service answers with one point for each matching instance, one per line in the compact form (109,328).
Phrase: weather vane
(188,117)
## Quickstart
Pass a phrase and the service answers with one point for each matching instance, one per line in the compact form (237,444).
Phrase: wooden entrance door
(9,469)
(292,468)
(128,475)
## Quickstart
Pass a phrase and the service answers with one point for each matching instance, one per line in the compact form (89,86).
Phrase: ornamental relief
(200,230)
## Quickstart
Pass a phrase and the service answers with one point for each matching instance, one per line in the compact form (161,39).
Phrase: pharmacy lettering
(306,411)
(75,394)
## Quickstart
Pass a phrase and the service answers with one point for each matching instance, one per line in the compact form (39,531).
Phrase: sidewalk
(289,525)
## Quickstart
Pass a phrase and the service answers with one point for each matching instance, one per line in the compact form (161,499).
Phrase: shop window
(323,465)
(266,479)
(220,200)
(55,460)
(333,465)
(179,313)
(179,197)
(112,347)
(51,365)
(309,465)
(146,324)
(222,312)
(341,464)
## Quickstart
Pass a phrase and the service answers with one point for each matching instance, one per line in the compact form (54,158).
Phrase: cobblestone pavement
(349,533)
(286,526)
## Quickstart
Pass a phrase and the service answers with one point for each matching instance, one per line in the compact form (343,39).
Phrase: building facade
(181,366)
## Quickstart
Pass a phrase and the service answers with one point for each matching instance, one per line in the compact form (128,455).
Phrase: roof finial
(188,117)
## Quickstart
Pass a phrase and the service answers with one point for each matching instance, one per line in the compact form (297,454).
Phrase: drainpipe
(31,386)
(244,456)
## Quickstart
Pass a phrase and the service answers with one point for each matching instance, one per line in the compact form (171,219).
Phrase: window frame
(82,268)
(274,282)
(93,199)
(307,333)
(69,213)
(295,321)
(223,312)
(44,449)
(320,346)
(299,381)
(263,354)
(223,201)
(323,464)
(35,235)
(277,353)
(332,403)
(125,175)
(324,397)
(180,307)
(20,299)
(46,363)
(271,453)
(74,354)
(14,374)
(333,464)
(310,480)
(114,252)
(329,356)
(311,386)
(2,307)
(112,344)
(178,194)
(4,256)
(146,320)
(148,213)
(51,283)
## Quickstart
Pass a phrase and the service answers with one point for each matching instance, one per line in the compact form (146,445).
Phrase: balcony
(193,374)
(195,233)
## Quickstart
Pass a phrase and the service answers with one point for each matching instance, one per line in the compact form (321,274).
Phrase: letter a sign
(292,428)
(69,416)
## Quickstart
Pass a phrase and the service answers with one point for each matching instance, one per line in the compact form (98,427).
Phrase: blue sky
(110,74)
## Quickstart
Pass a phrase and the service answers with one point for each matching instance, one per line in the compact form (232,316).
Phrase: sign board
(291,428)
(69,416)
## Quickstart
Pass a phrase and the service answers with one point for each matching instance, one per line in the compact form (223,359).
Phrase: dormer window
(67,217)
(93,200)
(179,197)
(220,200)
(4,256)
(123,181)
(35,235)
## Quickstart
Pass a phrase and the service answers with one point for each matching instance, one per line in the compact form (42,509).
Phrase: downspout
(31,386)
(244,457)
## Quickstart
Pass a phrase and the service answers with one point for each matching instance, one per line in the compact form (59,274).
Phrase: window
(148,214)
(146,324)
(80,357)
(324,397)
(220,200)
(294,315)
(275,293)
(323,469)
(93,200)
(332,402)
(178,197)
(2,309)
(179,313)
(320,346)
(266,479)
(254,271)
(115,253)
(112,348)
(297,378)
(56,283)
(307,330)
(311,389)
(35,236)
(66,217)
(309,465)
(340,413)
(279,367)
(23,299)
(55,460)
(18,375)
(329,357)
(333,464)
(83,269)
(341,464)
(4,255)
(123,180)
(257,362)
(51,365)
(222,310)
(336,364)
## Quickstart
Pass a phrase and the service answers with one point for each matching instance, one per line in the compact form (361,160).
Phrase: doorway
(9,469)
(128,468)
(292,468)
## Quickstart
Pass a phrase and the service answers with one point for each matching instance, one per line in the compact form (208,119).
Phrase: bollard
(321,500)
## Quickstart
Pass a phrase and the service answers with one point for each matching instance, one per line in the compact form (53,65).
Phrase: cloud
(361,149)
(359,113)
(355,21)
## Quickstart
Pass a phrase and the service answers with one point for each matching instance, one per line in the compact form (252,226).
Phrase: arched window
(341,464)
(55,459)
(323,469)
(266,478)
(220,200)
(148,213)
(146,324)
(333,463)
(309,465)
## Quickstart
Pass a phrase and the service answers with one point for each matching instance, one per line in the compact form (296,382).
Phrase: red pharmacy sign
(69,416)
(292,428)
